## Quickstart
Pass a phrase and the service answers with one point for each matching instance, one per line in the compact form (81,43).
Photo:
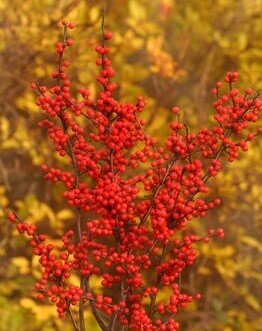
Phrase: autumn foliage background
(171,52)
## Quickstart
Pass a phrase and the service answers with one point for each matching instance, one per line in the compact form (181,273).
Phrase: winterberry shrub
(131,224)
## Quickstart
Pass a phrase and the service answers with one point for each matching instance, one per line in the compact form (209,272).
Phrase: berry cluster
(130,225)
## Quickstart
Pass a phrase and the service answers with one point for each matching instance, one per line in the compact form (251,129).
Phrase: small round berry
(198,296)
(12,217)
(108,35)
(71,25)
(175,110)
(220,233)
(39,296)
(70,42)
(248,91)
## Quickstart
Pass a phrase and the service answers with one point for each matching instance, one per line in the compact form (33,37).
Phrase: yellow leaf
(226,268)
(250,241)
(4,128)
(94,13)
(136,10)
(22,263)
(204,271)
(35,267)
(95,282)
(65,214)
(27,303)
(253,302)
(42,313)
(27,101)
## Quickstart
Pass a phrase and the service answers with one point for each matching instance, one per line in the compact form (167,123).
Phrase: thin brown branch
(96,313)
(156,284)
(72,319)
(147,136)
(143,220)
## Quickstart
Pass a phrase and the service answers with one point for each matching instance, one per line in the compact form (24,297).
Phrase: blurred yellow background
(172,53)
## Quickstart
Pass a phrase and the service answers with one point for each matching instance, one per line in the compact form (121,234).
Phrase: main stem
(78,217)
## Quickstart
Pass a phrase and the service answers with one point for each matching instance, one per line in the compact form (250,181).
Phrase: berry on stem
(120,235)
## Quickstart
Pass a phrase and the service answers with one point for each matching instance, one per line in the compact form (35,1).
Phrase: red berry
(12,217)
(70,42)
(108,35)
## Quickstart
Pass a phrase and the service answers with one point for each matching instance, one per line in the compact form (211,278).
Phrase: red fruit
(198,296)
(12,217)
(175,110)
(108,35)
(71,25)
(70,42)
(39,296)
(220,233)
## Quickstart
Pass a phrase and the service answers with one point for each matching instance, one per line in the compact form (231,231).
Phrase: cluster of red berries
(128,221)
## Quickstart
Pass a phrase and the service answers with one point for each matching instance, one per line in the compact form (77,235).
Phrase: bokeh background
(171,52)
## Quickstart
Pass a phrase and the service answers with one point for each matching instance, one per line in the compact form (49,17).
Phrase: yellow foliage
(43,313)
(171,52)
(252,242)
(22,263)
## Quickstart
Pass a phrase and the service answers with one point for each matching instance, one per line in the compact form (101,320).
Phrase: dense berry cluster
(130,225)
